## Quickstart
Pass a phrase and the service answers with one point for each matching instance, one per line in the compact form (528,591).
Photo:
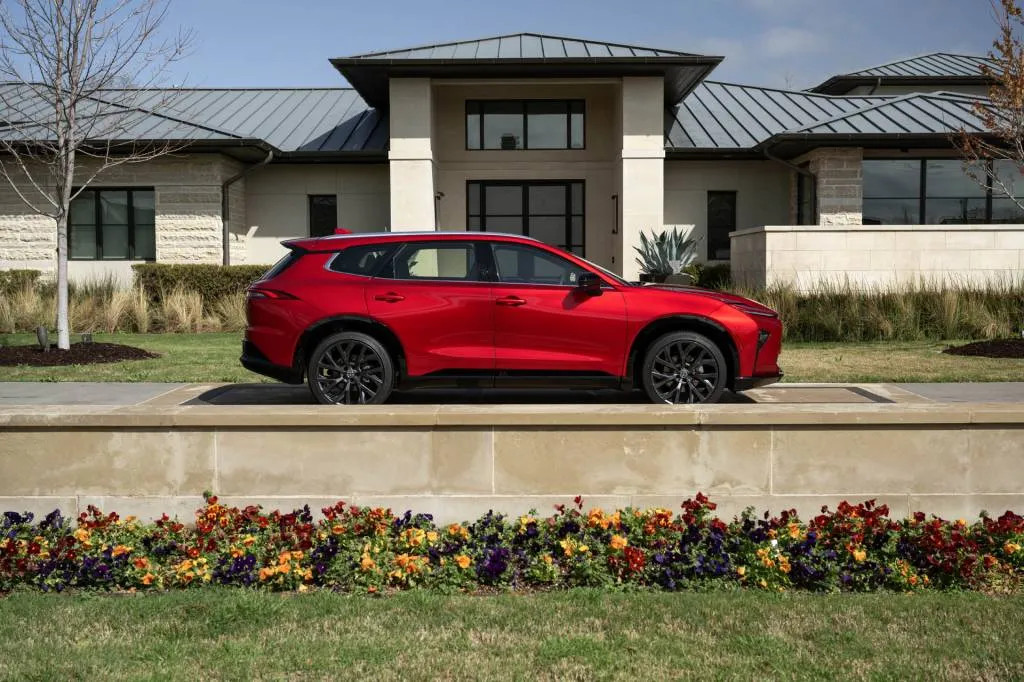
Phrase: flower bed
(854,548)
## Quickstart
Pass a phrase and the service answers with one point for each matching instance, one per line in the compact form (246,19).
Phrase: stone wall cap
(980,227)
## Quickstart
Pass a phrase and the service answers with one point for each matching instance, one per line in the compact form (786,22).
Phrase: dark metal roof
(929,113)
(522,46)
(523,55)
(939,68)
(297,122)
(730,116)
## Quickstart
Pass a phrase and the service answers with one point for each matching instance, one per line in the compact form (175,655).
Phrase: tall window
(721,221)
(929,192)
(323,214)
(548,210)
(524,124)
(113,224)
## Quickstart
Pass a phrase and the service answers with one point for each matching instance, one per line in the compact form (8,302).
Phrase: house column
(642,195)
(840,184)
(411,158)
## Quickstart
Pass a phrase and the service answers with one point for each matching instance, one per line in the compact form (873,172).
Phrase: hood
(712,294)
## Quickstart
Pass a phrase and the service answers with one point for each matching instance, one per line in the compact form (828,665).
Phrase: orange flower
(185,565)
(547,558)
(337,529)
(267,573)
(248,540)
(367,563)
(284,557)
(1011,548)
(148,579)
(463,561)
(859,555)
(794,530)
(120,550)
(371,589)
(912,580)
(618,542)
(141,562)
(237,552)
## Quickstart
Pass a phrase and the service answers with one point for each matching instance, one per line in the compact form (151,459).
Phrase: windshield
(608,273)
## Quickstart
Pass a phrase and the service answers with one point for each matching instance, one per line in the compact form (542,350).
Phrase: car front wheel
(684,367)
(350,368)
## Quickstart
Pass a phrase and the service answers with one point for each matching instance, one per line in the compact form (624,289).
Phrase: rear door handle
(511,301)
(390,297)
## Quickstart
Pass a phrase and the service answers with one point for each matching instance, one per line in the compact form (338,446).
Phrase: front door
(547,210)
(432,296)
(543,322)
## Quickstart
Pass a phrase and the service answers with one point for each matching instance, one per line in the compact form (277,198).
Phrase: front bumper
(255,361)
(747,383)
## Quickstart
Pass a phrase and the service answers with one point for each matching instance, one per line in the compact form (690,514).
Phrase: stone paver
(996,392)
(80,393)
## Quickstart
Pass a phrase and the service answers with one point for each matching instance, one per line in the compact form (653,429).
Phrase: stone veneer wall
(840,184)
(456,462)
(188,211)
(877,255)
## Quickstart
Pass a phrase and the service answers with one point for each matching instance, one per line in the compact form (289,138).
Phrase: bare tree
(996,157)
(66,115)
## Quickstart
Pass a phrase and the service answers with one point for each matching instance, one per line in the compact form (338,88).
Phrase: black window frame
(309,213)
(922,197)
(711,240)
(524,105)
(98,207)
(525,213)
(483,272)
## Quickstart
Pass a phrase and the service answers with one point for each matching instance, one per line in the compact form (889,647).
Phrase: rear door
(543,322)
(432,294)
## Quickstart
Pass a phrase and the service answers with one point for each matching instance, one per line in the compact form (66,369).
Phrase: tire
(684,367)
(350,368)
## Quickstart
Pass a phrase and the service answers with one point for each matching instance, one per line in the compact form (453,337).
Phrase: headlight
(751,310)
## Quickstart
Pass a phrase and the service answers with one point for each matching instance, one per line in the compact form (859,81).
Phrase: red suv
(362,315)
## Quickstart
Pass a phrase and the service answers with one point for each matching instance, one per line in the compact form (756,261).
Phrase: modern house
(578,143)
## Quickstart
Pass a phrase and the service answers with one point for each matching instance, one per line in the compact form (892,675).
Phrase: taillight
(269,293)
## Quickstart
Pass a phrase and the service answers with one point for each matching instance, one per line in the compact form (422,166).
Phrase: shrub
(710,276)
(361,549)
(12,281)
(211,282)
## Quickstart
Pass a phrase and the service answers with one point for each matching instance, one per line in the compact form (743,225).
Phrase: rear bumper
(747,383)
(255,361)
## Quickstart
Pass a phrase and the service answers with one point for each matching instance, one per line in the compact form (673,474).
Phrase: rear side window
(282,265)
(361,260)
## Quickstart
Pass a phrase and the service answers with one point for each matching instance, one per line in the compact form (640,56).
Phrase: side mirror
(589,283)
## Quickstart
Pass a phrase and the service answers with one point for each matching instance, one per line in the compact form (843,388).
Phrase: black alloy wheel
(684,367)
(350,368)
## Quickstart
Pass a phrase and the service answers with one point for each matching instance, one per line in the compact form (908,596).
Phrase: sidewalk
(80,393)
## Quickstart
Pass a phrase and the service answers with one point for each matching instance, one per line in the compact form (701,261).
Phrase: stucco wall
(761,194)
(277,202)
(877,256)
(595,164)
(188,209)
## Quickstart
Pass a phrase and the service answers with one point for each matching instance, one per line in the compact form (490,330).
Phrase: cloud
(788,41)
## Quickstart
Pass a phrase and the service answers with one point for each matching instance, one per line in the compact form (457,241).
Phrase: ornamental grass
(361,549)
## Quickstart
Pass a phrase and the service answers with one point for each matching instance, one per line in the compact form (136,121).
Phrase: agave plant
(665,253)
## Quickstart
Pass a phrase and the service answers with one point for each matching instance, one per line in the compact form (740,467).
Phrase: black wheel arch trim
(731,353)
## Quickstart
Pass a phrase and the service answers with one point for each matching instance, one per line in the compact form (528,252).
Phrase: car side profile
(359,316)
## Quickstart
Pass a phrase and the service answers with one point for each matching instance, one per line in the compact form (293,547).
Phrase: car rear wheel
(684,367)
(350,368)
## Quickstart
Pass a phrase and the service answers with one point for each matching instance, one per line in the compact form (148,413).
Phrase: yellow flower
(367,563)
(463,561)
(762,582)
(741,571)
(859,555)
(547,559)
(584,548)
(303,588)
(794,530)
(1011,548)
(82,535)
(431,536)
(248,540)
(184,566)
(961,522)
(567,546)
(618,542)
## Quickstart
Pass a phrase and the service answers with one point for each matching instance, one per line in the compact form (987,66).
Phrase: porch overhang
(370,76)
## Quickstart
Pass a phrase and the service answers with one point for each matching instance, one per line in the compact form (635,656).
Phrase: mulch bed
(997,348)
(79,354)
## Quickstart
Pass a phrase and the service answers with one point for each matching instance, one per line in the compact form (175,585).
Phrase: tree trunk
(63,326)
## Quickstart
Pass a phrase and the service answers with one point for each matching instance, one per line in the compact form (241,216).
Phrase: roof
(935,68)
(523,55)
(723,117)
(523,46)
(301,121)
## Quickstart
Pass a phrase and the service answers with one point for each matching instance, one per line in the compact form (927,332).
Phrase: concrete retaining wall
(459,461)
(877,256)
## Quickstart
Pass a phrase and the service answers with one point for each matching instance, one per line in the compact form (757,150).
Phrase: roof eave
(370,76)
(842,84)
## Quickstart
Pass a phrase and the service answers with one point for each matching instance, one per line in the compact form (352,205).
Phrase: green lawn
(214,358)
(241,635)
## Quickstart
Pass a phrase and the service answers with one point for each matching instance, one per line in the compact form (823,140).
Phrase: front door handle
(511,301)
(390,297)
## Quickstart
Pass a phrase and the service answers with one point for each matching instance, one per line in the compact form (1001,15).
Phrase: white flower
(775,543)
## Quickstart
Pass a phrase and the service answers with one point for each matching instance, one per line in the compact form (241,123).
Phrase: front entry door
(544,323)
(548,210)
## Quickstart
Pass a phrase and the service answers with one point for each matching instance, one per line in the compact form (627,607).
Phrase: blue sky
(785,43)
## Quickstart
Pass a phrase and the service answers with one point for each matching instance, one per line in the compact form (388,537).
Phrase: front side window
(521,264)
(434,261)
(113,224)
(524,124)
